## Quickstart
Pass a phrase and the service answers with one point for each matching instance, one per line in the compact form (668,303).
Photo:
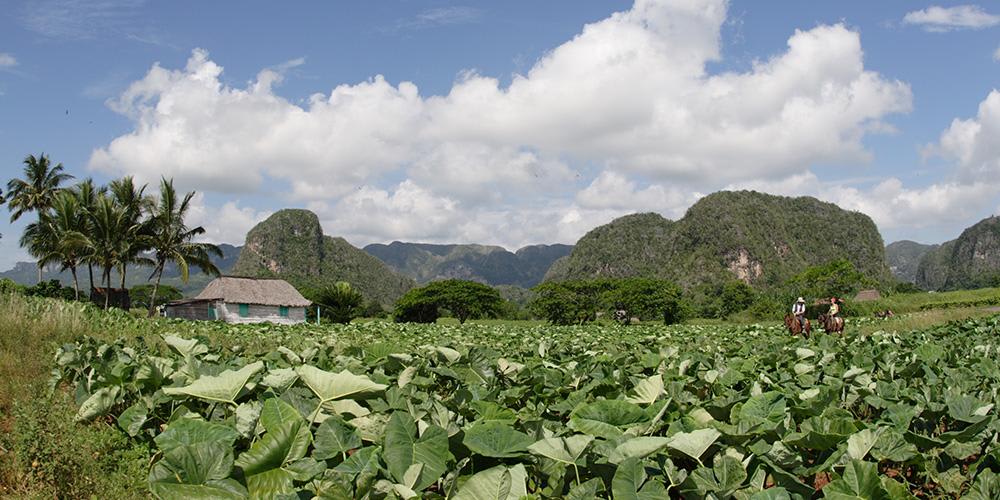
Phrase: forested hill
(970,261)
(903,258)
(290,244)
(492,265)
(759,238)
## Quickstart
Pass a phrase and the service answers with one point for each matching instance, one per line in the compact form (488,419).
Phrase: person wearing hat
(799,311)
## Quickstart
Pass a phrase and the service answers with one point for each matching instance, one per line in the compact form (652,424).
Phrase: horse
(792,323)
(885,314)
(831,324)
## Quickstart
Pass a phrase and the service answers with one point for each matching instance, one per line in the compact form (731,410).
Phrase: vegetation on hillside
(290,245)
(903,258)
(968,262)
(492,265)
(758,238)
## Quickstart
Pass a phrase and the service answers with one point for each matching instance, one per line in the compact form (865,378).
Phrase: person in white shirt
(799,311)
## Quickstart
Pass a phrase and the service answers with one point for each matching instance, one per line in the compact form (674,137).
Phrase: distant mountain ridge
(26,273)
(758,238)
(290,244)
(903,258)
(970,261)
(492,265)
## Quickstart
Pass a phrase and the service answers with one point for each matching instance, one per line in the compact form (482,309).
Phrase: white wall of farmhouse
(230,313)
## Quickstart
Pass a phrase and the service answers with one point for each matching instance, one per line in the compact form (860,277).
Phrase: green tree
(86,193)
(173,241)
(339,303)
(464,299)
(61,231)
(135,238)
(142,295)
(569,302)
(645,298)
(108,226)
(838,278)
(34,193)
(735,296)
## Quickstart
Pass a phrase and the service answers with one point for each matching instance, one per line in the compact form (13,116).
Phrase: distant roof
(263,291)
(866,295)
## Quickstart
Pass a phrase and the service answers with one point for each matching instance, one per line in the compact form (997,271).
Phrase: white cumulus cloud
(940,19)
(629,97)
(7,60)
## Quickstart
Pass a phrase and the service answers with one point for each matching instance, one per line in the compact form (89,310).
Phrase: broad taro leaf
(329,386)
(892,446)
(766,410)
(247,415)
(694,443)
(276,412)
(403,448)
(986,486)
(188,431)
(628,483)
(223,387)
(280,379)
(562,449)
(859,481)
(196,463)
(586,490)
(132,419)
(638,447)
(861,442)
(647,391)
(334,437)
(496,439)
(216,490)
(185,347)
(775,493)
(269,464)
(723,479)
(966,408)
(605,418)
(499,483)
(98,403)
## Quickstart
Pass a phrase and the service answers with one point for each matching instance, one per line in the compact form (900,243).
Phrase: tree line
(105,228)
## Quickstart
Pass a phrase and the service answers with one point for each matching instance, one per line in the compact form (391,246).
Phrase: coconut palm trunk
(156,286)
(76,283)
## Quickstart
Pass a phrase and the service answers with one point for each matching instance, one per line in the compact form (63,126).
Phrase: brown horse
(792,323)
(831,324)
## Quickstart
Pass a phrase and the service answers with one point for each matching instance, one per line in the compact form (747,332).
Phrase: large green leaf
(638,447)
(98,403)
(225,489)
(859,481)
(648,391)
(334,437)
(694,443)
(268,464)
(629,483)
(329,386)
(606,418)
(186,431)
(185,347)
(562,449)
(496,439)
(403,448)
(498,483)
(223,387)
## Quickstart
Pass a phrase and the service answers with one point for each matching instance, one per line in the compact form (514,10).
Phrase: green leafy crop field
(501,411)
(495,409)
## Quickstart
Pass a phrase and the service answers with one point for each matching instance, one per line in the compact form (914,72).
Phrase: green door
(244,310)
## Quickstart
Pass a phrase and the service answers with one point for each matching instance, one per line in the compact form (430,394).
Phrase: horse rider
(834,309)
(799,311)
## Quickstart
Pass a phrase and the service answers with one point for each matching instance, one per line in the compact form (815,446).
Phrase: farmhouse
(867,295)
(243,300)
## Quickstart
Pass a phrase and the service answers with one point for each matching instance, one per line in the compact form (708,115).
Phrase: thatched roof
(262,291)
(867,295)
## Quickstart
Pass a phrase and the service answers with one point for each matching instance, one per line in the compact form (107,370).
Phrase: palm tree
(135,238)
(35,192)
(87,193)
(173,241)
(63,227)
(107,226)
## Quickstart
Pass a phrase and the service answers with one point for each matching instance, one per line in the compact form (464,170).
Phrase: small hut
(243,300)
(867,295)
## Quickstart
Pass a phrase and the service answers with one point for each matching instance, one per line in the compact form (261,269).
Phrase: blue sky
(513,123)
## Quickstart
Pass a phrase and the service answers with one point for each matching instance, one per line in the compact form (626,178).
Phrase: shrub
(464,299)
(140,295)
(339,303)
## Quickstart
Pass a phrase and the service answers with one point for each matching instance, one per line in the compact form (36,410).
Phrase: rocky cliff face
(903,258)
(290,244)
(970,261)
(758,238)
